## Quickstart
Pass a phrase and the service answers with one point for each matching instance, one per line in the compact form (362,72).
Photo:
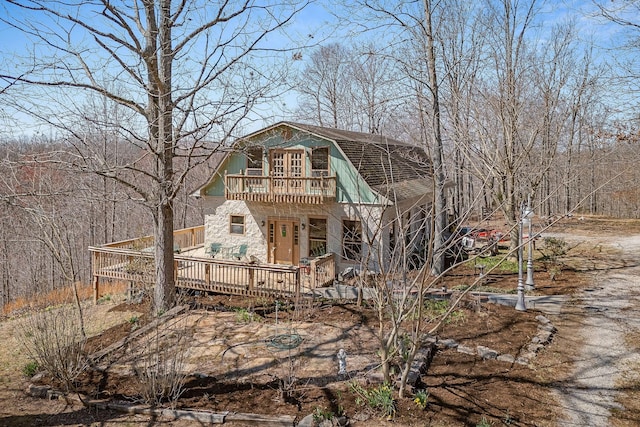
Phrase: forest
(112,115)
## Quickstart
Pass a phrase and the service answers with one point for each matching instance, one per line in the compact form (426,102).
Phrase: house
(292,192)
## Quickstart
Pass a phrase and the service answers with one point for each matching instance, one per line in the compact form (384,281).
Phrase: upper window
(320,161)
(351,240)
(254,161)
(236,224)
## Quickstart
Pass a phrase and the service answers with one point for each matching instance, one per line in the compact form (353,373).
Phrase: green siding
(233,164)
(350,186)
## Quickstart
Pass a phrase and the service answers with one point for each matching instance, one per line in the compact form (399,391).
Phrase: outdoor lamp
(520,304)
(528,220)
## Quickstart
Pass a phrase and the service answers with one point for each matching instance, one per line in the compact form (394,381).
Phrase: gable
(368,168)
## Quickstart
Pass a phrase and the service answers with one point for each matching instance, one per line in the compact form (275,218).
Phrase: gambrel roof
(386,164)
(392,169)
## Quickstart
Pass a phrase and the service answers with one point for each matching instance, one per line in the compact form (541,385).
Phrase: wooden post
(130,292)
(251,278)
(175,272)
(96,288)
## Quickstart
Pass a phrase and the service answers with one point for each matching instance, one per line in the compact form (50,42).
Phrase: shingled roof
(384,163)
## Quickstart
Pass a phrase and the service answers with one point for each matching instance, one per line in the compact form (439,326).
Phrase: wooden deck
(131,261)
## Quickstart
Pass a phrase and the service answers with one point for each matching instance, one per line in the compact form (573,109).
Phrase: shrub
(54,340)
(380,398)
(553,249)
(434,309)
(30,369)
(134,321)
(484,422)
(321,414)
(498,262)
(245,316)
(161,368)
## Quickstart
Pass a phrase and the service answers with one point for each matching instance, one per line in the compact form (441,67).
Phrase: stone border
(201,417)
(543,337)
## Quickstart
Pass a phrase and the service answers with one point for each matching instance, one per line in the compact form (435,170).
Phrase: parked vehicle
(480,241)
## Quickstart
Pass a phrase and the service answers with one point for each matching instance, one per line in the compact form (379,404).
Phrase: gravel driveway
(603,315)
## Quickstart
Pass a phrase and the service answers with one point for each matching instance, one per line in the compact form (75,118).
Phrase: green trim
(350,186)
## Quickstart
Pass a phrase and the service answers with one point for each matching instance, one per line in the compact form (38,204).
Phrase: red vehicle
(480,240)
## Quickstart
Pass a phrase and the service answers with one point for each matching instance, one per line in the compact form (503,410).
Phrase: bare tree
(440,201)
(376,90)
(460,44)
(354,88)
(324,85)
(418,63)
(187,73)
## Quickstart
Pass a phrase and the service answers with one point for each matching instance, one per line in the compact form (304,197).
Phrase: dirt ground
(233,354)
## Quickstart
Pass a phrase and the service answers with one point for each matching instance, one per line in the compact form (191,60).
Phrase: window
(320,158)
(319,166)
(351,240)
(236,225)
(320,161)
(254,161)
(317,237)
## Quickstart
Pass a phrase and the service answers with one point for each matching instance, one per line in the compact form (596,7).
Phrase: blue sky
(315,21)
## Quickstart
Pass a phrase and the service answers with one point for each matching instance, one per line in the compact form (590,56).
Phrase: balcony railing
(308,190)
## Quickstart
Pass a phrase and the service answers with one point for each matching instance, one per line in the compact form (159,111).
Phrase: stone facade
(374,219)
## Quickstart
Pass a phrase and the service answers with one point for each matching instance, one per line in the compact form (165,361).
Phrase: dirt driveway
(603,325)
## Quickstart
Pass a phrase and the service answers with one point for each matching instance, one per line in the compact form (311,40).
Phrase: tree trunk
(440,212)
(164,296)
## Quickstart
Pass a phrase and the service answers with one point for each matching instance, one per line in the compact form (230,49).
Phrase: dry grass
(60,296)
(630,386)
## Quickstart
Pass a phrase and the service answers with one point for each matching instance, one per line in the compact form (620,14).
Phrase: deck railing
(320,272)
(132,262)
(309,190)
(182,239)
(228,277)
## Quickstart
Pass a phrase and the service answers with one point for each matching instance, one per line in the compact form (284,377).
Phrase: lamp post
(520,305)
(528,218)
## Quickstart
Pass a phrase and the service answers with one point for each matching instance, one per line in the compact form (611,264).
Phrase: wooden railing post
(252,273)
(96,288)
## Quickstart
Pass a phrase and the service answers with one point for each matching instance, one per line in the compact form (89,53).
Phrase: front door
(284,240)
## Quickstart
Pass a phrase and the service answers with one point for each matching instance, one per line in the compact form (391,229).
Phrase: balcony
(281,189)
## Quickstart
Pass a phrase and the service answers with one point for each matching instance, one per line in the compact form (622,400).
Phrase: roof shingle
(381,161)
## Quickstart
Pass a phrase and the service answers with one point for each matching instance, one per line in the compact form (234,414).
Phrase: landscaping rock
(548,327)
(430,339)
(534,347)
(419,365)
(448,343)
(486,352)
(544,337)
(506,358)
(37,377)
(542,319)
(39,391)
(307,421)
(466,350)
